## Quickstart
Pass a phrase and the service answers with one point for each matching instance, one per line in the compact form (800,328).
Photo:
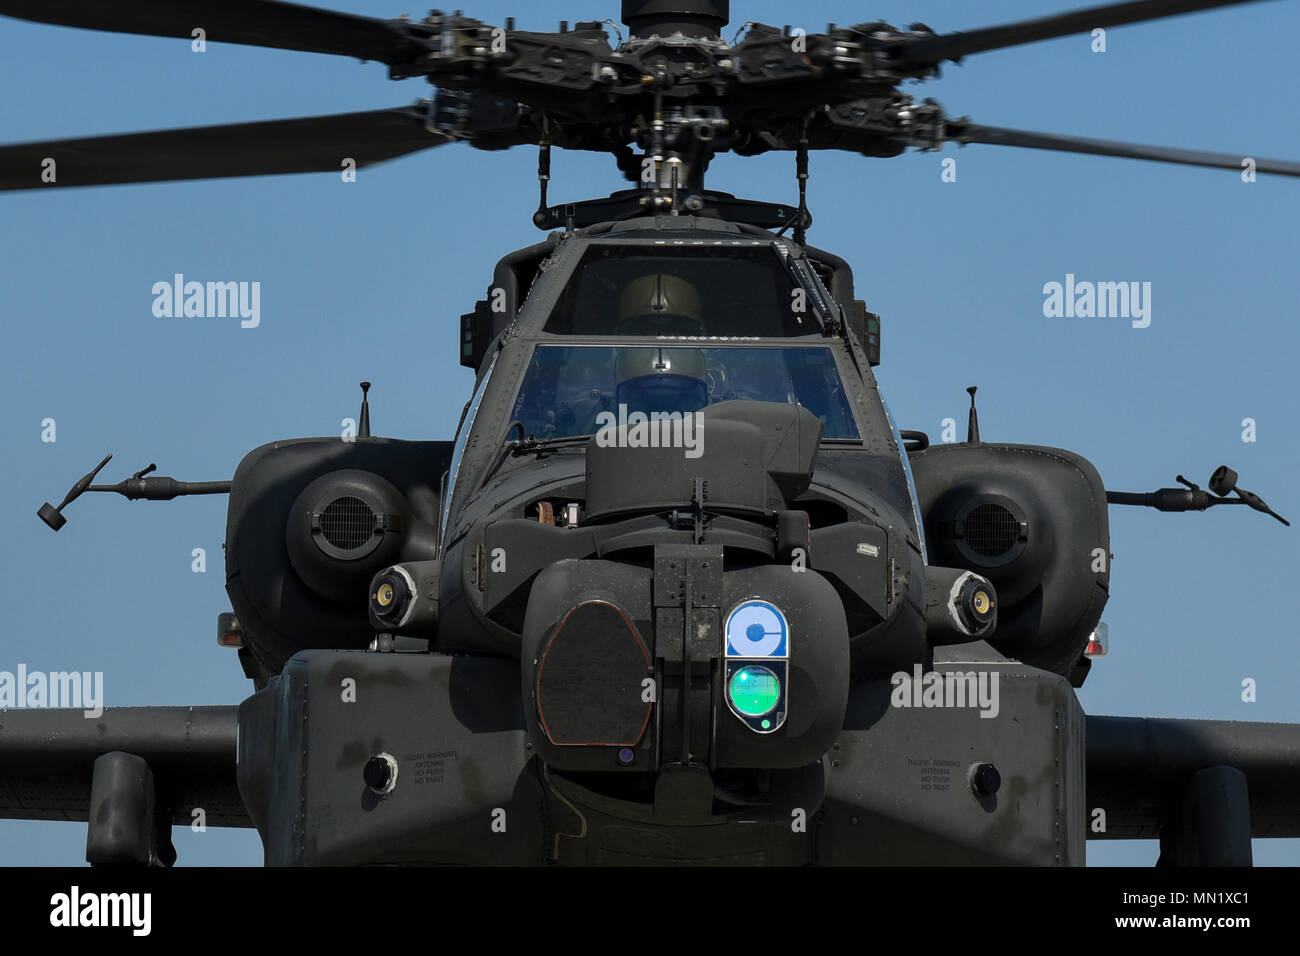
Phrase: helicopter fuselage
(670,588)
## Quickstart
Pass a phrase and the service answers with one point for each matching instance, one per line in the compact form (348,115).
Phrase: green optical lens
(754,691)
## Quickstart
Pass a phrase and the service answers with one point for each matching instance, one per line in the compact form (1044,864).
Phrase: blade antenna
(363,430)
(801,170)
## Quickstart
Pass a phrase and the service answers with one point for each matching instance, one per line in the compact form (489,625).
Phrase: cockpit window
(566,387)
(741,290)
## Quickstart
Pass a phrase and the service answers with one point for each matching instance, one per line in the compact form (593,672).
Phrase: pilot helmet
(662,380)
(659,304)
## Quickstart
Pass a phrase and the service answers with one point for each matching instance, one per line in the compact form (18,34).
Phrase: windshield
(733,291)
(567,387)
(462,437)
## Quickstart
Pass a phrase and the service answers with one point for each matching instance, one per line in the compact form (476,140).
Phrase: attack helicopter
(572,610)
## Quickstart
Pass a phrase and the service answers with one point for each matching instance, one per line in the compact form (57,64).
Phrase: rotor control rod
(159,488)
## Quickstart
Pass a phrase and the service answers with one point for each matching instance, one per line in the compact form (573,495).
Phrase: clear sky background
(366,281)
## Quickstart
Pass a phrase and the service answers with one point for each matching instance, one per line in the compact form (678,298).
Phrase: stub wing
(47,761)
(1204,787)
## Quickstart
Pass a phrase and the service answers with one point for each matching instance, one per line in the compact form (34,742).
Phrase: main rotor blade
(954,46)
(285,26)
(962,132)
(312,144)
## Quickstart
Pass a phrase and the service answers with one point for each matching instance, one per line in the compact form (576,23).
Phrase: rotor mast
(679,141)
(692,18)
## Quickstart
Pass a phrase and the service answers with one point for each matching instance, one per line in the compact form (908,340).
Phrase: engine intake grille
(991,530)
(348,523)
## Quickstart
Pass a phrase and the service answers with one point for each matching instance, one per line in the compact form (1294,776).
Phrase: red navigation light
(230,633)
(1098,641)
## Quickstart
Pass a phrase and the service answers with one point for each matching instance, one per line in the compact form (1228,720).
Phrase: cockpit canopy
(741,289)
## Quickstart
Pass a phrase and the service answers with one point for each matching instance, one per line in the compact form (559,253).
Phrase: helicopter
(679,807)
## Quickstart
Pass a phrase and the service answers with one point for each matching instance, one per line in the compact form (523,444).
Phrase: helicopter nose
(686,662)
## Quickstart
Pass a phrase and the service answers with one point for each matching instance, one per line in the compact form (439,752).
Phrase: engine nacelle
(1033,521)
(309,524)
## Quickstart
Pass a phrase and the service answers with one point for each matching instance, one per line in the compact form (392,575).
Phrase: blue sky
(366,280)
